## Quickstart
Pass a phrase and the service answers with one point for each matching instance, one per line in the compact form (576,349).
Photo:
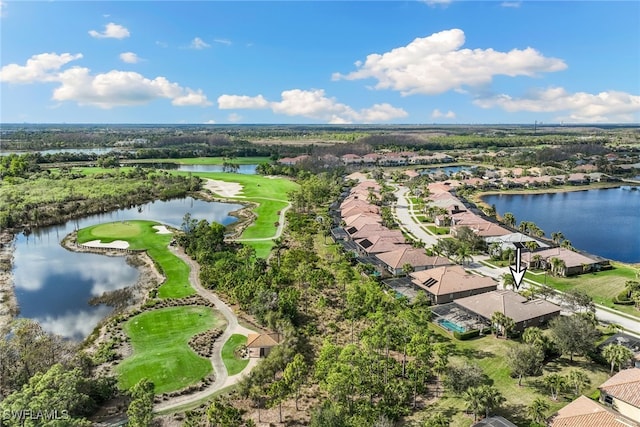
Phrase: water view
(53,285)
(603,222)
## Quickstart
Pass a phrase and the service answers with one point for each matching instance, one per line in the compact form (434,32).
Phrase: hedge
(462,336)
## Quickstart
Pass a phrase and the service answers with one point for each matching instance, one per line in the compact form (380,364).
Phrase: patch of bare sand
(161,229)
(116,244)
(223,188)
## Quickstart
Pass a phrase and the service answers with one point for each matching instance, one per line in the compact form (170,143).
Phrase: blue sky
(413,62)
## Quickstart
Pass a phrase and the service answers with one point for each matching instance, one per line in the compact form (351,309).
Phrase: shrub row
(463,336)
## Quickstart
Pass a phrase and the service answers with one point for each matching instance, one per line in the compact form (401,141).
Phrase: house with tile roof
(621,392)
(524,312)
(584,412)
(417,258)
(448,283)
(574,262)
(259,345)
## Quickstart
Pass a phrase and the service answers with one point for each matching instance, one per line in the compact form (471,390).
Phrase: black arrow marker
(518,272)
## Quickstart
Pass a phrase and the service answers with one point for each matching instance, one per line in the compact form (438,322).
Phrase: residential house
(584,412)
(621,392)
(378,244)
(417,258)
(574,262)
(448,283)
(524,312)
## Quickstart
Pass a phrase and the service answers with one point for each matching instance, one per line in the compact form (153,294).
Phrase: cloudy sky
(413,62)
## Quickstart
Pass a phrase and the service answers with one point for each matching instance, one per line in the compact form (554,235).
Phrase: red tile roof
(625,385)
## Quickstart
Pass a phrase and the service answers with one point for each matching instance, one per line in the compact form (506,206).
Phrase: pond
(603,222)
(242,169)
(53,285)
(97,150)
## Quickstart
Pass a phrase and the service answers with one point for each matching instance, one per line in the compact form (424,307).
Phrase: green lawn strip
(489,353)
(438,230)
(601,286)
(264,225)
(262,247)
(234,364)
(161,352)
(174,269)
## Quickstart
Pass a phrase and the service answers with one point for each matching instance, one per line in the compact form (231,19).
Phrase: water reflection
(54,285)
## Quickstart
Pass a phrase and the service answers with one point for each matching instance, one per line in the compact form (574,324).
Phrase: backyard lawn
(489,353)
(234,364)
(161,351)
(601,286)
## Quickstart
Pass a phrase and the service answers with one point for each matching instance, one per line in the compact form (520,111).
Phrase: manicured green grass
(601,286)
(161,351)
(234,364)
(175,270)
(270,194)
(438,230)
(489,353)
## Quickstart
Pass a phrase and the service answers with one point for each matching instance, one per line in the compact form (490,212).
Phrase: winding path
(222,379)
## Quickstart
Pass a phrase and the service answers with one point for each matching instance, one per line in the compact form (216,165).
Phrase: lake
(53,285)
(603,222)
(242,169)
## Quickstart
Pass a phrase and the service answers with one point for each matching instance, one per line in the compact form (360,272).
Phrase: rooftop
(450,279)
(584,412)
(625,385)
(509,303)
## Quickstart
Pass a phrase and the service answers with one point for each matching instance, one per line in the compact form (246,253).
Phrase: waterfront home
(574,262)
(511,241)
(524,312)
(448,283)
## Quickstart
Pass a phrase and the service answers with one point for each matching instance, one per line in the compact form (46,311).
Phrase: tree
(524,360)
(491,398)
(578,380)
(578,300)
(294,375)
(558,266)
(407,268)
(616,354)
(556,383)
(508,281)
(509,219)
(460,377)
(557,237)
(140,411)
(223,414)
(502,323)
(473,396)
(537,410)
(573,334)
(463,254)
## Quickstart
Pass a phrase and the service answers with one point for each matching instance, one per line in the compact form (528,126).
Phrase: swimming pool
(451,326)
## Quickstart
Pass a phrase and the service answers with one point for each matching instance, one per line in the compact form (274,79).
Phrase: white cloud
(234,118)
(232,102)
(210,122)
(437,64)
(117,88)
(437,114)
(512,4)
(192,98)
(129,58)
(39,68)
(103,90)
(609,106)
(162,44)
(434,3)
(223,41)
(313,104)
(111,31)
(3,8)
(198,44)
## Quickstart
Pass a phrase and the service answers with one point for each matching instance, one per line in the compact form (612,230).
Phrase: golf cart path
(222,379)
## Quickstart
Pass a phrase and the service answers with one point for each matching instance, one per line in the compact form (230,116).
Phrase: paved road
(408,221)
(222,379)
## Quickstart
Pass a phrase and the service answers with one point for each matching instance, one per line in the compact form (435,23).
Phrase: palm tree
(557,237)
(475,400)
(536,261)
(531,245)
(557,266)
(537,410)
(463,254)
(491,398)
(556,383)
(616,354)
(566,244)
(631,286)
(579,380)
(509,219)
(507,280)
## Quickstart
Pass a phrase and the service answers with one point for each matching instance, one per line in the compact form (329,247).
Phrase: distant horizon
(440,62)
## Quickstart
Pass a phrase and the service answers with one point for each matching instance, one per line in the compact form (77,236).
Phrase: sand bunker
(161,229)
(223,189)
(116,244)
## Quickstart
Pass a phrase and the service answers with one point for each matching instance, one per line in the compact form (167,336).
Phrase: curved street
(407,220)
